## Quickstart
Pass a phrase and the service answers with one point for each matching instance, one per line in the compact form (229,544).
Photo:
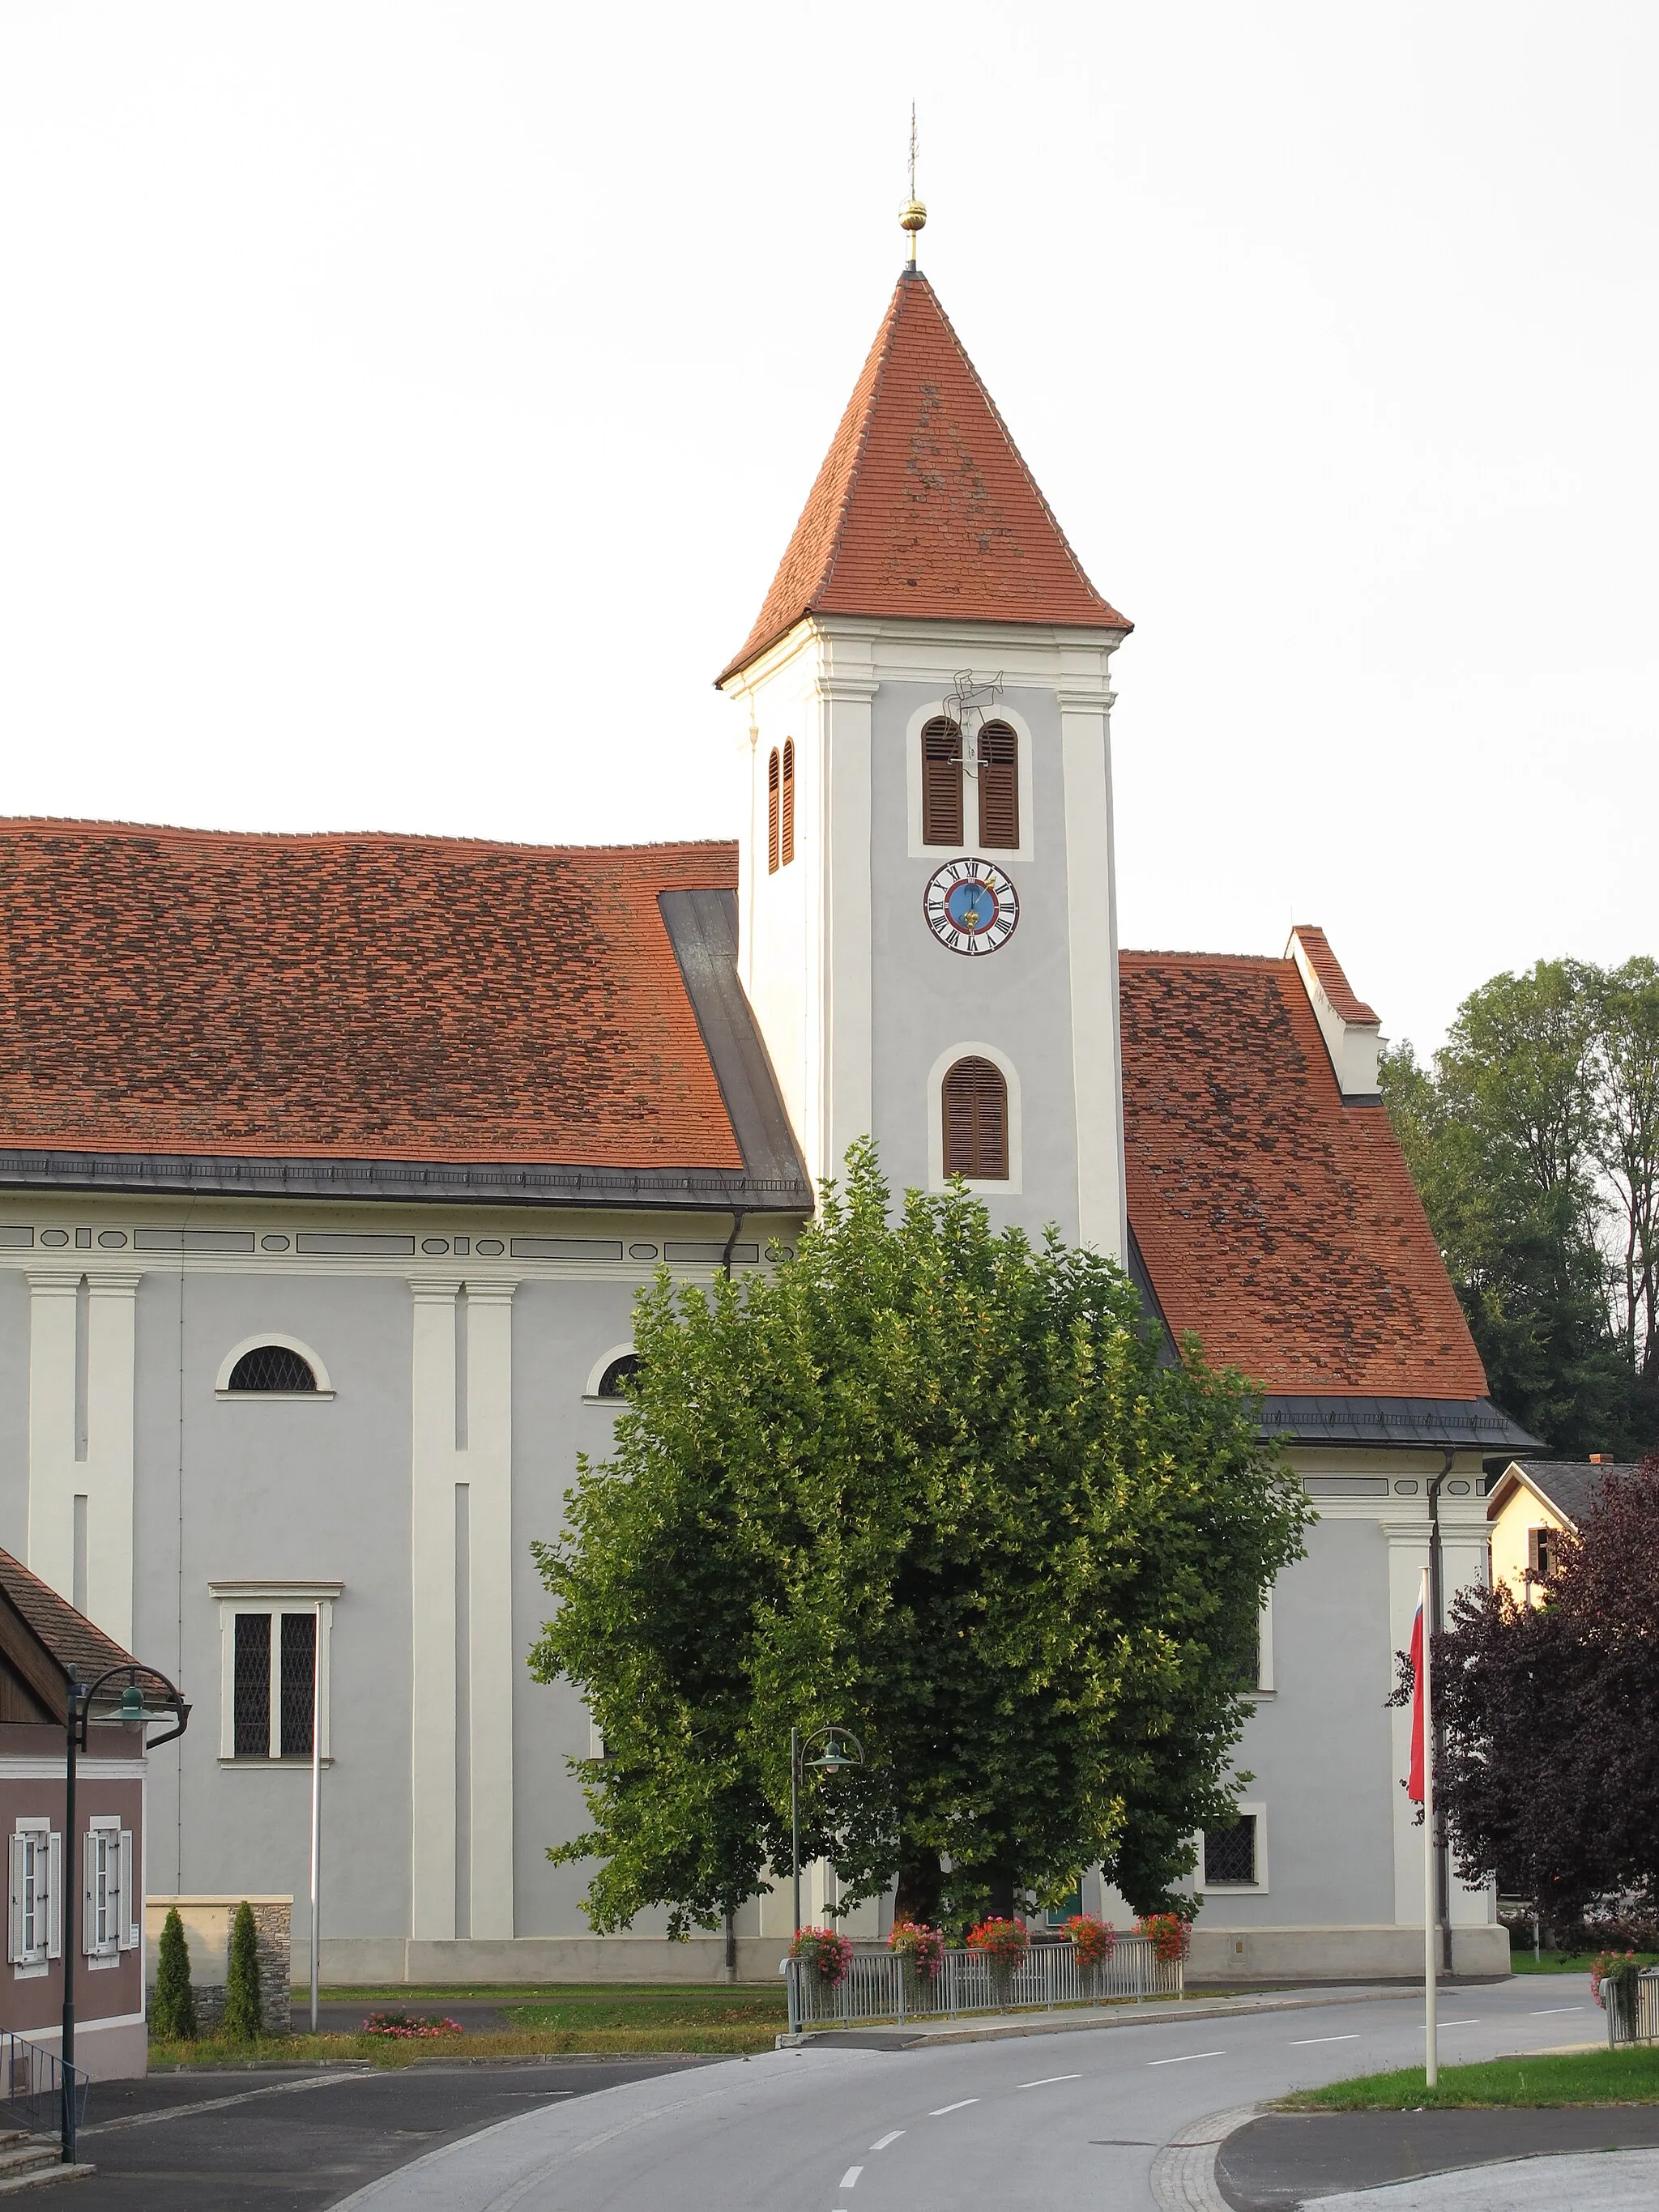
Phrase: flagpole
(1430,1931)
(316,1801)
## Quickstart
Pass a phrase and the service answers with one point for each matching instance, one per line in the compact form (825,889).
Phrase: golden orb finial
(913,215)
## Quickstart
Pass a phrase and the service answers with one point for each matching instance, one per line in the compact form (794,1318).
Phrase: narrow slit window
(998,787)
(941,783)
(299,1683)
(787,829)
(975,1100)
(773,797)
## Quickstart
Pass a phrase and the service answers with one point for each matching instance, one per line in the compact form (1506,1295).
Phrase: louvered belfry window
(998,787)
(772,814)
(941,783)
(787,829)
(976,1105)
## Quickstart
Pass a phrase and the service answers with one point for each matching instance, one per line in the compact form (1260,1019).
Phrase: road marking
(1547,2010)
(1305,2042)
(940,2111)
(1459,2023)
(1046,2080)
(850,2178)
(885,2140)
(1185,2056)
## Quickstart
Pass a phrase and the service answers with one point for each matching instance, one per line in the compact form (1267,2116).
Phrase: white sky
(403,409)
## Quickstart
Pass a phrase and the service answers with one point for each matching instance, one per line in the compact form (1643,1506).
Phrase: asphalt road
(1041,2122)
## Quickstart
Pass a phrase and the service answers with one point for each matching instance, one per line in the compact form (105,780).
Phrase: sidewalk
(1477,2160)
(990,2027)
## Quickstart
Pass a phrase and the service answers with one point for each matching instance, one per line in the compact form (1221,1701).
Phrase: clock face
(971,907)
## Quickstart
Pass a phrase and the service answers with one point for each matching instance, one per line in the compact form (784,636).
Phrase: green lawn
(1562,1962)
(1572,2077)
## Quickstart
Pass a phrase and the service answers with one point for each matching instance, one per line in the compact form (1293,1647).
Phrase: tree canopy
(946,1489)
(1549,1777)
(1535,1140)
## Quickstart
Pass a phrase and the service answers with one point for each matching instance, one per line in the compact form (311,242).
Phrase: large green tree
(937,1485)
(1535,1140)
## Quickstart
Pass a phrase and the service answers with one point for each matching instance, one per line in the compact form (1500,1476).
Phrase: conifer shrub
(172,2000)
(241,2019)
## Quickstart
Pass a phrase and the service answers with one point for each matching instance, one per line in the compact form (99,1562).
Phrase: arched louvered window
(998,787)
(772,795)
(272,1367)
(941,783)
(787,827)
(615,1376)
(975,1100)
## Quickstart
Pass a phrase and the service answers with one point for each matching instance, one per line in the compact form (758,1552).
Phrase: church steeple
(924,506)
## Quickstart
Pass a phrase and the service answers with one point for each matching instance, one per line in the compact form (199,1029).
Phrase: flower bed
(411,2027)
(825,1952)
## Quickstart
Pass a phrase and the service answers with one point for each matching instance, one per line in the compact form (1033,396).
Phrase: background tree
(1534,1140)
(934,1484)
(1549,1777)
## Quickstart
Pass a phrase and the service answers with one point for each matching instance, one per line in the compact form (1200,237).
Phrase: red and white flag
(1414,1784)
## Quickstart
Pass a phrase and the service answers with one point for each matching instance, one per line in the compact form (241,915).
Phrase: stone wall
(207,1922)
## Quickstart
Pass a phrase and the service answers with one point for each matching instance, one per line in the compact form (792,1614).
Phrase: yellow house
(1529,1504)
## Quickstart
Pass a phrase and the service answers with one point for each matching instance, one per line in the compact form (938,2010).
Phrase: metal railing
(881,1985)
(1635,2018)
(31,2086)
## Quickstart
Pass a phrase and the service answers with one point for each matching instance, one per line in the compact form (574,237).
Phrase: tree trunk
(1001,1905)
(730,1946)
(920,1883)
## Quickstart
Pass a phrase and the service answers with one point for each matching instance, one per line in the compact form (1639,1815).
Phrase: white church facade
(331,1166)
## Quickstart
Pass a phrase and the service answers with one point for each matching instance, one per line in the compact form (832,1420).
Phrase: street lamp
(830,1761)
(126,1707)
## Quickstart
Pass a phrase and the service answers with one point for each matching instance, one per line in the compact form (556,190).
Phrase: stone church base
(1336,1954)
(1219,1954)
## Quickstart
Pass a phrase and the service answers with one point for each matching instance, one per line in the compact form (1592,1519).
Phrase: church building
(331,1167)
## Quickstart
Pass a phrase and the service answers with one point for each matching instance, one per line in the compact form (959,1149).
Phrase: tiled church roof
(379,997)
(923,505)
(1279,1224)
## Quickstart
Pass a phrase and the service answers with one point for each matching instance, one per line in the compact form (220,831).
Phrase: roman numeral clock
(971,907)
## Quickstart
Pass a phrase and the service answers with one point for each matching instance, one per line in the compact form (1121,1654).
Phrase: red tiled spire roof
(1279,1225)
(379,997)
(923,504)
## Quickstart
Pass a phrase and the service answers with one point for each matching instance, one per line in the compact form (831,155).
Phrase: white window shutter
(54,1905)
(88,1893)
(14,1945)
(130,1932)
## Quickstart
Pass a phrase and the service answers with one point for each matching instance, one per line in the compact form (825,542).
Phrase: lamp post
(831,1760)
(127,1707)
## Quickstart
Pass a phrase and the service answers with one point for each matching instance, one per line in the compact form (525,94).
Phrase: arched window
(975,1100)
(998,787)
(772,814)
(272,1367)
(787,831)
(941,783)
(617,1374)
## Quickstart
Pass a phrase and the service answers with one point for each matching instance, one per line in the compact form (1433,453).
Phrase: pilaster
(845,688)
(54,1471)
(486,1465)
(432,1582)
(1091,935)
(112,1392)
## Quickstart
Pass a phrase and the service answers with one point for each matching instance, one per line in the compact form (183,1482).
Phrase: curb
(904,2038)
(1183,2177)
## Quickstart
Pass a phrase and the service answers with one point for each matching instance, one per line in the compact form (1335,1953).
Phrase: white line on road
(885,2140)
(940,2111)
(850,2178)
(1545,2012)
(1046,2080)
(1185,2056)
(1305,2042)
(1462,2023)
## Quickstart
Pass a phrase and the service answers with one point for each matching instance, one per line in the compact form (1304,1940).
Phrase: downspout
(1442,1873)
(731,1917)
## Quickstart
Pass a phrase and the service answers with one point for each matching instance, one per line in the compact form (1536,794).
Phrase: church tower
(927,903)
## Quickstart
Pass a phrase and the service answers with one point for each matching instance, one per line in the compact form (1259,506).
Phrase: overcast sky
(403,409)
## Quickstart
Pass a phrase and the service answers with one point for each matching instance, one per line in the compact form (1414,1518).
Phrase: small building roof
(44,1644)
(924,506)
(1567,1488)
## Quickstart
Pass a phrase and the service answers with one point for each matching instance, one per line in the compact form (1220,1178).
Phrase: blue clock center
(972,907)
